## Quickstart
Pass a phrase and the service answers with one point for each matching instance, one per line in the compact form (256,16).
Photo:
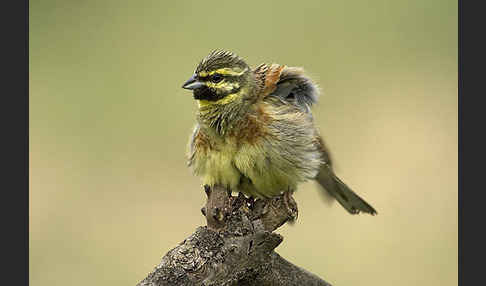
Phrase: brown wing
(289,84)
(268,76)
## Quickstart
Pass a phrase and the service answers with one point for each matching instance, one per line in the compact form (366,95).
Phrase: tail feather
(353,203)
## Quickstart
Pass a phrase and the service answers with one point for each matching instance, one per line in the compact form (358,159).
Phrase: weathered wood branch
(235,248)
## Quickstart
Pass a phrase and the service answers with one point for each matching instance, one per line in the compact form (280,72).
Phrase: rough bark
(235,248)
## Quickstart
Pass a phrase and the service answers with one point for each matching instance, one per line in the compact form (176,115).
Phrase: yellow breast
(227,163)
(216,165)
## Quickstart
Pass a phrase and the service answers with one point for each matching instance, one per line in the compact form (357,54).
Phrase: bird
(255,132)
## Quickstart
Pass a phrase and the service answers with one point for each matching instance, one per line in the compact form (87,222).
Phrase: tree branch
(235,248)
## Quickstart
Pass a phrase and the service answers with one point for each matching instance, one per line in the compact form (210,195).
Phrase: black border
(15,141)
(471,206)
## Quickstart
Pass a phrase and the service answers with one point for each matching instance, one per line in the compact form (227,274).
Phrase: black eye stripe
(212,94)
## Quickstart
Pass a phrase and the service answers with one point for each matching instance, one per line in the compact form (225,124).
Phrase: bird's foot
(265,213)
(238,201)
(291,206)
(250,202)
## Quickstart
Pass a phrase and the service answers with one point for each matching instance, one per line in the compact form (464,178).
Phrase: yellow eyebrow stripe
(223,71)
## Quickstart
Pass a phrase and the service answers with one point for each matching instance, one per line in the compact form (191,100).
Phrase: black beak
(192,83)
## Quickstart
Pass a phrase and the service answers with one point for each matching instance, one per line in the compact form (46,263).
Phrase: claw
(241,196)
(291,206)
(238,201)
(250,202)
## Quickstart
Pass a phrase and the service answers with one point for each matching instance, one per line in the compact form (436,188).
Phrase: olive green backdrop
(109,190)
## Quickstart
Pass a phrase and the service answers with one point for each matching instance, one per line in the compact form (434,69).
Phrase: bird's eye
(216,77)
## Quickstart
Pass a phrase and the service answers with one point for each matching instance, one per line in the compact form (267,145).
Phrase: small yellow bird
(255,131)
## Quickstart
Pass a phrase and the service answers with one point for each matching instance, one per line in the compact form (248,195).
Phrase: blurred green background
(109,190)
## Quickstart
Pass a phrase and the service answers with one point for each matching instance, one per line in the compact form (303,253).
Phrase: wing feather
(296,88)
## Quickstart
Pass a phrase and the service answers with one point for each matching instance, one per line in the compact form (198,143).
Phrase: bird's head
(220,78)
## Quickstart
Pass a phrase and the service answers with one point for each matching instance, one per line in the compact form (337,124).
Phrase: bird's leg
(237,202)
(250,203)
(291,206)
